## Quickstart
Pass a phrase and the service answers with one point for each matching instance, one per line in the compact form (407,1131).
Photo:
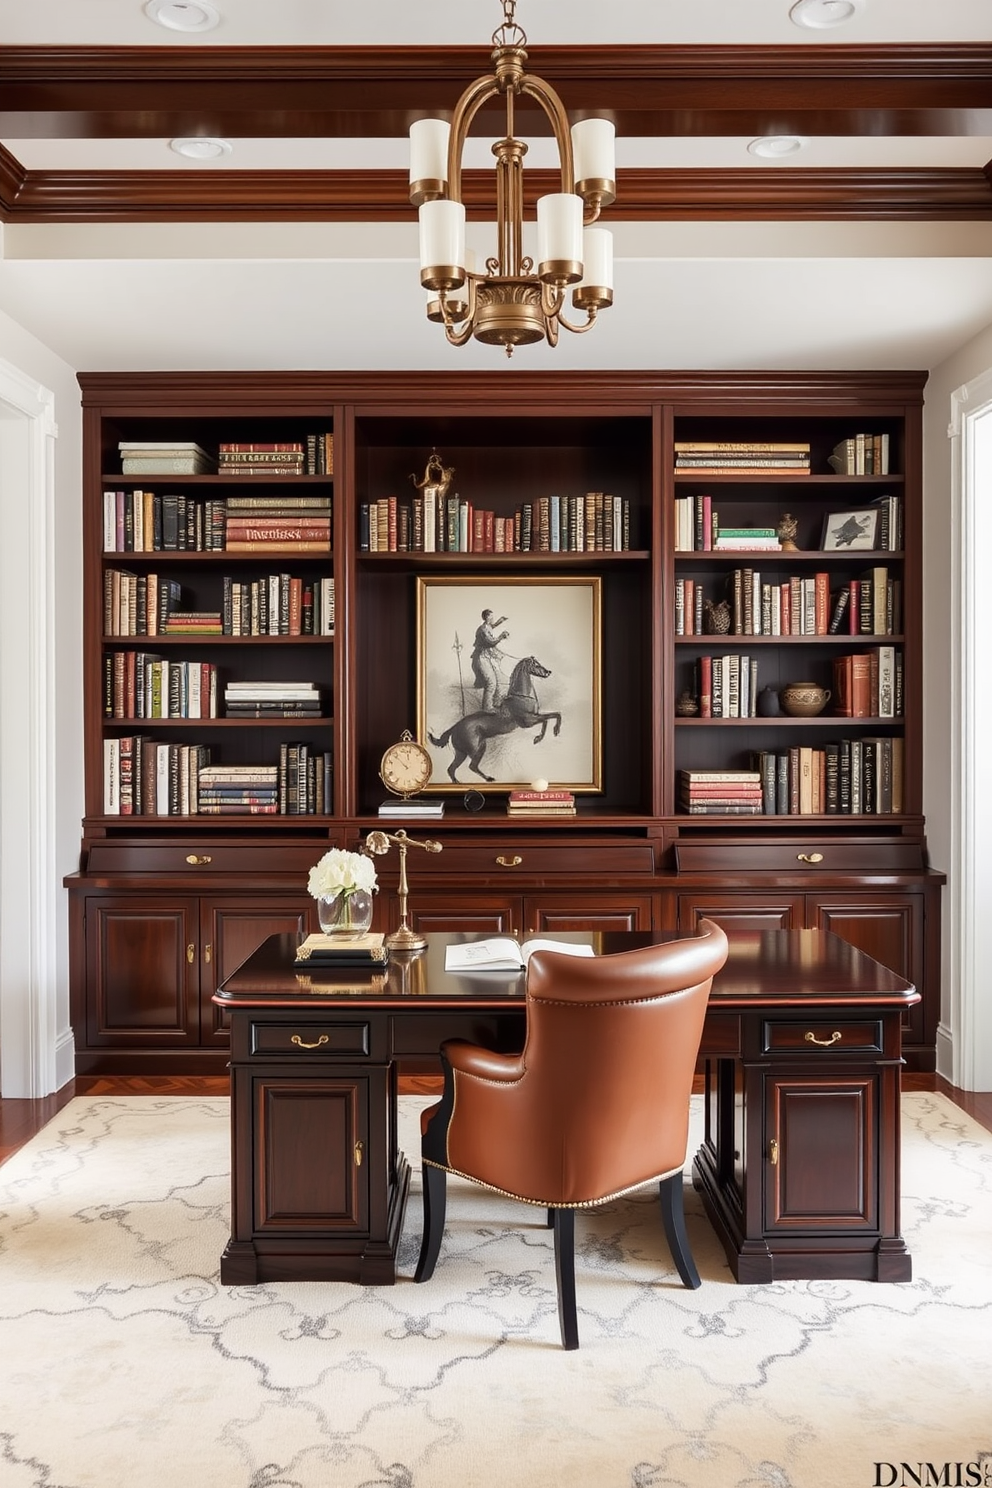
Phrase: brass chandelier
(514,303)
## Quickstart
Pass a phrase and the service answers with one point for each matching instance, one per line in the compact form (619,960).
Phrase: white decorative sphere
(539,785)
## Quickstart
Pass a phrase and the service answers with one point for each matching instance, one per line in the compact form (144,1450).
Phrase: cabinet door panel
(141,972)
(485,914)
(888,928)
(745,911)
(548,912)
(822,1169)
(311,1153)
(230,929)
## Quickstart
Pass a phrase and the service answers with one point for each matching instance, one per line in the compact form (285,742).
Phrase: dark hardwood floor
(21,1119)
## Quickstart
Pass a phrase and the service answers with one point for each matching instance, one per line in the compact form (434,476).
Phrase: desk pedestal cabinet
(799,1168)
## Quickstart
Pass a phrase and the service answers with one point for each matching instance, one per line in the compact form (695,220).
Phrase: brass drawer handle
(834,1038)
(301,1043)
(196,861)
(809,857)
(359,1154)
(773,1152)
(513,862)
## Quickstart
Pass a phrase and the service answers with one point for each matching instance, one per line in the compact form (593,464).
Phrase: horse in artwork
(519,708)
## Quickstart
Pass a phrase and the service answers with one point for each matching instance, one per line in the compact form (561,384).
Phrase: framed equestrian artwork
(508,682)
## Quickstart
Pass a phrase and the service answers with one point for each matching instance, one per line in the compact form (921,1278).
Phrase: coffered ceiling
(888,197)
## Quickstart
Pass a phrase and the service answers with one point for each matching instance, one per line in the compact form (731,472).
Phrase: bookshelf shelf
(151,887)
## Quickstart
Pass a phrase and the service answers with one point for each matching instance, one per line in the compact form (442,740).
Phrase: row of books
(844,777)
(797,605)
(742,457)
(138,684)
(264,699)
(861,454)
(698,528)
(869,684)
(138,521)
(313,455)
(145,777)
(278,604)
(594,522)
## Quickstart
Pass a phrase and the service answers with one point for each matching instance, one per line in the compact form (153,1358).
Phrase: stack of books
(193,622)
(259,524)
(720,792)
(741,457)
(238,790)
(241,459)
(763,539)
(164,457)
(272,700)
(319,950)
(540,803)
(412,808)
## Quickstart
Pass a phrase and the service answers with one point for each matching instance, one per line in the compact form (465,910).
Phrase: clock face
(406,767)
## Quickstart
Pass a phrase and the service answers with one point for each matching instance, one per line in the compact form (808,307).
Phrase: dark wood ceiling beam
(784,194)
(151,92)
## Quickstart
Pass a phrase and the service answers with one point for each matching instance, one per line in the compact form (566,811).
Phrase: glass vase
(346,913)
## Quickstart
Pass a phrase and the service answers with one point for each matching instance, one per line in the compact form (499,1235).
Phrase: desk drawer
(812,1036)
(799,856)
(299,1038)
(507,860)
(204,858)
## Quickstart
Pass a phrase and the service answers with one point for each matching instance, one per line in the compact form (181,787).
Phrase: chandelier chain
(509,33)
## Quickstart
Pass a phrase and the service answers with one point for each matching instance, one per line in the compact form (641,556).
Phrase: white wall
(969,362)
(31,358)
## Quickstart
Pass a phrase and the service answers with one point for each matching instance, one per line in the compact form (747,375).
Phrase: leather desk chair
(595,1106)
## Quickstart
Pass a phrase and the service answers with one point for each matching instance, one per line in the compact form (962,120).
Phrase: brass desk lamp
(377,843)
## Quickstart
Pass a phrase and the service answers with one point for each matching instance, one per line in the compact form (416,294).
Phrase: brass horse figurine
(519,709)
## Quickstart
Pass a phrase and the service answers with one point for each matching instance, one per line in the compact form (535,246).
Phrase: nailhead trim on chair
(553,1203)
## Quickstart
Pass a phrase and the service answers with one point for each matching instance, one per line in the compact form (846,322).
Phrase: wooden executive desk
(799,1167)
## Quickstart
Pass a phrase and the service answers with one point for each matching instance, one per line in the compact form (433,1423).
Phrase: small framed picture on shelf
(509,682)
(850,531)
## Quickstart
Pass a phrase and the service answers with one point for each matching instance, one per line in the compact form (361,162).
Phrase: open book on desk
(504,954)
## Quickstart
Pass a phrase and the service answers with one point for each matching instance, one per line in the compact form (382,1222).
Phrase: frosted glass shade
(594,150)
(442,244)
(429,150)
(597,257)
(559,236)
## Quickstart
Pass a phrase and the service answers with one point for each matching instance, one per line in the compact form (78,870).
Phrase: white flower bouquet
(340,871)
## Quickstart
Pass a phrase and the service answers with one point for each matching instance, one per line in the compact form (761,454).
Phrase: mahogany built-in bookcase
(165,905)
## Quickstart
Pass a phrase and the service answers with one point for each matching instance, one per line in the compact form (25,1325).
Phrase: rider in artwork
(486,658)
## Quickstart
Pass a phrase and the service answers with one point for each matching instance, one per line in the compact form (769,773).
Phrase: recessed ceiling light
(183,15)
(200,147)
(776,146)
(820,14)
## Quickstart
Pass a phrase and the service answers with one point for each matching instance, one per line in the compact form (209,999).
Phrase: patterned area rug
(125,1362)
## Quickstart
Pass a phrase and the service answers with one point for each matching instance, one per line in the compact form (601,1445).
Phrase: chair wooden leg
(673,1214)
(435,1203)
(564,1227)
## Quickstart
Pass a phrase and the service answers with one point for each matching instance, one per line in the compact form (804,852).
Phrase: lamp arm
(475,95)
(558,119)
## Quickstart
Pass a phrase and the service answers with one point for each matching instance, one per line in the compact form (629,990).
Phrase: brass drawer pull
(773,1152)
(809,857)
(196,861)
(359,1154)
(834,1038)
(208,952)
(300,1043)
(190,952)
(513,862)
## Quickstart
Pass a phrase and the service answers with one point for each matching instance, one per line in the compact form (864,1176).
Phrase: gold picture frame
(509,682)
